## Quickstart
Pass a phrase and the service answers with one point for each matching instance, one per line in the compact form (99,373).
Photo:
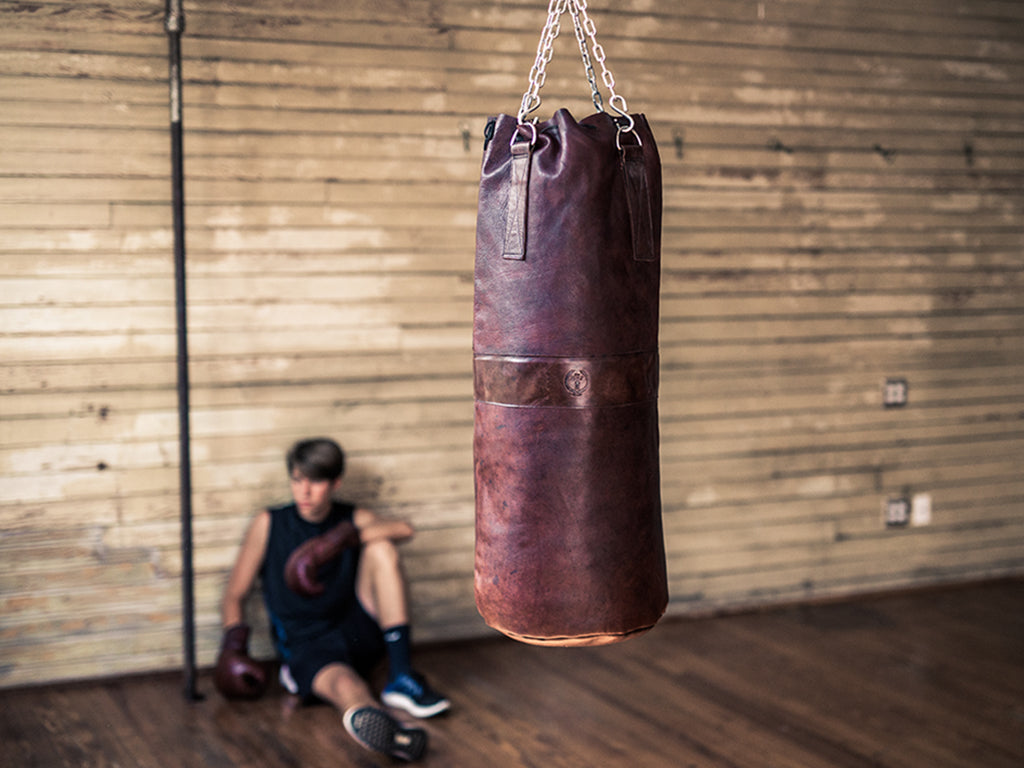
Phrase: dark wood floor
(926,680)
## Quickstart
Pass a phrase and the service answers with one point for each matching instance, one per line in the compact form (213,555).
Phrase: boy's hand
(300,572)
(238,676)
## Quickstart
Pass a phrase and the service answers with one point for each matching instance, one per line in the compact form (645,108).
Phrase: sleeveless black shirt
(295,619)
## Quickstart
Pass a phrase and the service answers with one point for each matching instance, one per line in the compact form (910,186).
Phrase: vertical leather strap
(518,195)
(639,201)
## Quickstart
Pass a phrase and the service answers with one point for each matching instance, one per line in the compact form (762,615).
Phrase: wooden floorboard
(931,679)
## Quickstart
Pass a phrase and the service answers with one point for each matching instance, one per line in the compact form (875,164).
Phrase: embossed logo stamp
(577,382)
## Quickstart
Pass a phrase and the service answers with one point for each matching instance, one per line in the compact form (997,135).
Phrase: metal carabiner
(532,124)
(622,130)
(614,103)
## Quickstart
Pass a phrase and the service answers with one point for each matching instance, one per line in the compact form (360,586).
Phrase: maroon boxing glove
(238,676)
(300,570)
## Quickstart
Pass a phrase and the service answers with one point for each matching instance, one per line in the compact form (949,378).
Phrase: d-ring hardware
(532,125)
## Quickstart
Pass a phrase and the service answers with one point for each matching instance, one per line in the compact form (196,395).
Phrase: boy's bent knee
(381,552)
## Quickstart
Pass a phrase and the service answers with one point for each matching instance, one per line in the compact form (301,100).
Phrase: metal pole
(175,27)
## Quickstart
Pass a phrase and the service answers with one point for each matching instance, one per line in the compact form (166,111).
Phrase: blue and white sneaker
(411,693)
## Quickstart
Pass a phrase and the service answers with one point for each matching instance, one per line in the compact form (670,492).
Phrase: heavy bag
(569,544)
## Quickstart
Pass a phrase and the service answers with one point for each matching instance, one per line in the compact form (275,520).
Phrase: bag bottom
(578,641)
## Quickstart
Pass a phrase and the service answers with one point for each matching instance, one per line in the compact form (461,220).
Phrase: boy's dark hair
(318,458)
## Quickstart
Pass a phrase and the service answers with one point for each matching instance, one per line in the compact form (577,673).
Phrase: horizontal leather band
(566,382)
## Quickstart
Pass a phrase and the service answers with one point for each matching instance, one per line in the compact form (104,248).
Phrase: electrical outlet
(895,393)
(896,512)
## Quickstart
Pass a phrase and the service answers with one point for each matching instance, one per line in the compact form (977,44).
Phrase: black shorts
(357,642)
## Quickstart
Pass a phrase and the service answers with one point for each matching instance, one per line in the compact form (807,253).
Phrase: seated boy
(336,598)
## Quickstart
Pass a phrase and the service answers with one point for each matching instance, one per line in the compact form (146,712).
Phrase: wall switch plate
(895,393)
(921,509)
(896,512)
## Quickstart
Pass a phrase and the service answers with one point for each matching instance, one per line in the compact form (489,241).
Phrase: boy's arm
(300,572)
(247,565)
(372,528)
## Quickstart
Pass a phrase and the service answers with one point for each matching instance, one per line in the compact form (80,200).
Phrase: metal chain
(545,49)
(584,27)
(616,101)
(588,67)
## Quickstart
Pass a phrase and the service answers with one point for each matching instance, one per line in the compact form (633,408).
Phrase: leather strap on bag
(635,173)
(518,195)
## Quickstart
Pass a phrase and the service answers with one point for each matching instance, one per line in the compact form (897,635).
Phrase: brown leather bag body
(569,543)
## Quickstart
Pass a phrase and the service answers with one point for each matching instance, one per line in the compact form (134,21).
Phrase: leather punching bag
(569,543)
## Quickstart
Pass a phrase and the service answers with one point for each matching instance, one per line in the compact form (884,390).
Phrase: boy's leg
(380,584)
(380,588)
(365,721)
(343,687)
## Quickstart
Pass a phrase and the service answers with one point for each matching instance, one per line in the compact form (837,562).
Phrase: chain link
(615,101)
(545,49)
(584,27)
(588,67)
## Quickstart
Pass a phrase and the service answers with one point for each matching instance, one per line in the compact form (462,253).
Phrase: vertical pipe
(175,27)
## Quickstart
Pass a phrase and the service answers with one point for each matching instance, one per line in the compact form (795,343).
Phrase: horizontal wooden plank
(907,554)
(819,411)
(150,318)
(736,390)
(226,503)
(682,282)
(722,318)
(148,346)
(889,443)
(808,474)
(98,418)
(903,552)
(107,375)
(369,488)
(446,159)
(632,19)
(852,515)
(681,263)
(725,320)
(365,287)
(716,406)
(833,581)
(705,593)
(656,39)
(251,288)
(77,216)
(369,27)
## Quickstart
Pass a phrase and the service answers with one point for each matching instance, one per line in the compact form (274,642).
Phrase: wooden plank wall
(843,204)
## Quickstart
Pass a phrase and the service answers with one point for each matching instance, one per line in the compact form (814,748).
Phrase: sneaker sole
(379,732)
(287,681)
(408,704)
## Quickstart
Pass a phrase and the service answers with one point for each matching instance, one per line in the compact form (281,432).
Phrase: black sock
(399,657)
